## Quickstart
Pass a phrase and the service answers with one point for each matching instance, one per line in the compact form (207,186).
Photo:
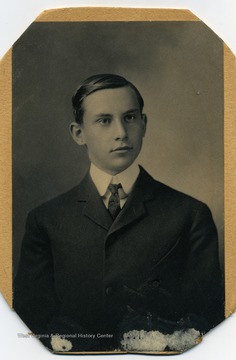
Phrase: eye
(104,121)
(130,117)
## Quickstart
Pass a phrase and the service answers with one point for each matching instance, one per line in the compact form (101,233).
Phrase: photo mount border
(120,14)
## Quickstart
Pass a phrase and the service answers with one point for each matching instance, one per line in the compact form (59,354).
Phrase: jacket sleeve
(35,299)
(34,296)
(203,291)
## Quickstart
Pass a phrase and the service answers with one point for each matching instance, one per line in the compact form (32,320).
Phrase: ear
(144,120)
(76,131)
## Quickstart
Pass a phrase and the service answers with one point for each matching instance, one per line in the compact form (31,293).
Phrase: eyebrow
(131,111)
(125,113)
(102,115)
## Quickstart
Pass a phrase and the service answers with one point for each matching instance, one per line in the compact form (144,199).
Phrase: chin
(121,167)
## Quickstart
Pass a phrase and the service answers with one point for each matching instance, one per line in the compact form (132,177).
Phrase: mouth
(122,149)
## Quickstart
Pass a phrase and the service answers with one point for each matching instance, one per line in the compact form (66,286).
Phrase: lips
(122,148)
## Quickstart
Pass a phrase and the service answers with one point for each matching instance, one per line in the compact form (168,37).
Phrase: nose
(120,131)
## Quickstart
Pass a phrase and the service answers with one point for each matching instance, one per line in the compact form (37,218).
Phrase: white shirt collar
(102,179)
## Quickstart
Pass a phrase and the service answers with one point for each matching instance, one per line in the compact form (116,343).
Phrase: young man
(120,251)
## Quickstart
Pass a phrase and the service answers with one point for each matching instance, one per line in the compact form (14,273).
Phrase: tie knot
(114,188)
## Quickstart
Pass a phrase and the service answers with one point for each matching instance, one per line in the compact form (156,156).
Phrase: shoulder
(168,196)
(57,207)
(174,207)
(59,200)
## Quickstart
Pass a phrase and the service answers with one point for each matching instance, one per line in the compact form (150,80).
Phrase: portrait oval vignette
(120,241)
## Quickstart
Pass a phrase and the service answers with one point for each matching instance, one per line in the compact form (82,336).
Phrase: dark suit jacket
(156,266)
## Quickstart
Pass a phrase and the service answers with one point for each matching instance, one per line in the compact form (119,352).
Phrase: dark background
(178,68)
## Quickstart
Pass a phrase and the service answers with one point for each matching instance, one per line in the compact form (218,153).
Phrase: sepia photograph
(161,199)
(118,184)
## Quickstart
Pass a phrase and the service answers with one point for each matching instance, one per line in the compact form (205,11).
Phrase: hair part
(96,83)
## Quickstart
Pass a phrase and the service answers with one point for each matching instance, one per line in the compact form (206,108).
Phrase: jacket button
(155,283)
(109,291)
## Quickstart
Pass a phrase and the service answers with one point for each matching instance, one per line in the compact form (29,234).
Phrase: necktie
(114,200)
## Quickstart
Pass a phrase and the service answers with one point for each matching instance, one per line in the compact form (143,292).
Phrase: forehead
(111,100)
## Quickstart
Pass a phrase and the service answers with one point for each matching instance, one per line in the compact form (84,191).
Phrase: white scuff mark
(60,344)
(142,340)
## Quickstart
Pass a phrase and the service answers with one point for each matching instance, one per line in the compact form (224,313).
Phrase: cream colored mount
(119,14)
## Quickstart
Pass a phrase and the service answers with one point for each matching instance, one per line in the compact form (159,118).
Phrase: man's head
(100,82)
(109,121)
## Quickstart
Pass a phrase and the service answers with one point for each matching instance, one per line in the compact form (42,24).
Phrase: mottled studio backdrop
(178,68)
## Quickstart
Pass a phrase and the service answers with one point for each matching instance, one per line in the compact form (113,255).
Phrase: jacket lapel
(134,208)
(94,207)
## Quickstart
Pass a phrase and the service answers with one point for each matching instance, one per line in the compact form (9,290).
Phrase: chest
(83,249)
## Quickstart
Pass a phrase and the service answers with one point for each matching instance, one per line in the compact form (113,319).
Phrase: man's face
(113,128)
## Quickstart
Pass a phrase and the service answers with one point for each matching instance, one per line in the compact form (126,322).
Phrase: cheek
(137,135)
(91,140)
(97,147)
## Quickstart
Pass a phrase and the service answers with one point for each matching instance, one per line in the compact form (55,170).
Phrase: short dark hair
(100,82)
